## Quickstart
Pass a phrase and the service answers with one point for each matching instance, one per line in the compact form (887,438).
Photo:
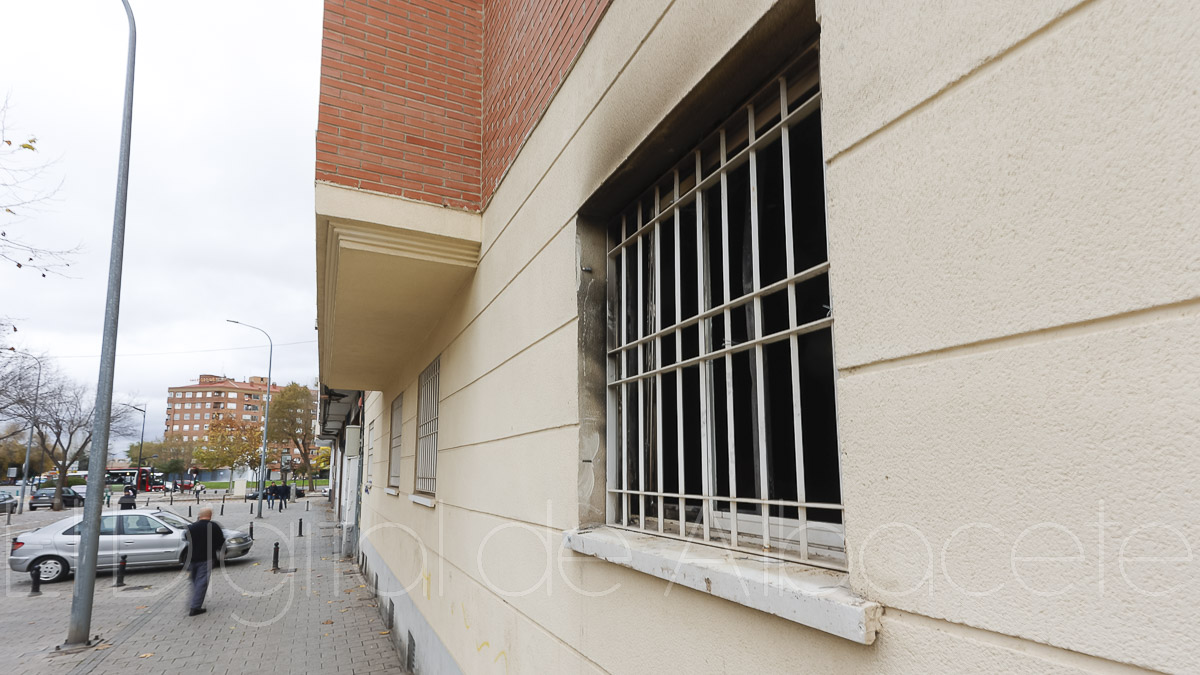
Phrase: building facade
(192,408)
(765,336)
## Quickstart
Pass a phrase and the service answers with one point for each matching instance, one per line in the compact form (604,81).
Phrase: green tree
(175,456)
(231,443)
(291,423)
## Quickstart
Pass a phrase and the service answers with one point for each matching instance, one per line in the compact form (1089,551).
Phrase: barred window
(427,429)
(394,455)
(722,424)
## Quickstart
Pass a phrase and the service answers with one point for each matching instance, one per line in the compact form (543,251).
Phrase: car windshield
(172,519)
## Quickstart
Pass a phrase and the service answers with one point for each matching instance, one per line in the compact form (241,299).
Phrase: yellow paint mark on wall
(505,655)
(481,645)
(426,582)
(464,611)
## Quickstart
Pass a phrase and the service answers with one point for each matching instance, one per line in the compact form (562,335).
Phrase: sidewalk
(318,618)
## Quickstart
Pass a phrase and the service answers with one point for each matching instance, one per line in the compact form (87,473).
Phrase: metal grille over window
(427,429)
(721,412)
(394,454)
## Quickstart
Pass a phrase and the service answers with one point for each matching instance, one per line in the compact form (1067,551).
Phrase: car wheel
(183,557)
(32,507)
(51,569)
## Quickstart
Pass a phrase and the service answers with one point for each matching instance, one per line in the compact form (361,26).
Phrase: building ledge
(387,269)
(817,598)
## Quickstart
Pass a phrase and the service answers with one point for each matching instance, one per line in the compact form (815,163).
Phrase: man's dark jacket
(205,540)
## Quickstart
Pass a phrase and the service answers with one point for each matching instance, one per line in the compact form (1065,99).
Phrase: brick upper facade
(431,100)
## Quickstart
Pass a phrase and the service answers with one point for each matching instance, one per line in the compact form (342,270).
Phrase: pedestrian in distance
(205,541)
(128,501)
(271,496)
(285,493)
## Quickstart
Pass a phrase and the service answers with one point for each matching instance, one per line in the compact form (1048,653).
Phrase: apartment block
(765,336)
(192,408)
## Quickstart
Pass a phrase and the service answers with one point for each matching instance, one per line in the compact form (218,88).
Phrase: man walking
(205,541)
(270,496)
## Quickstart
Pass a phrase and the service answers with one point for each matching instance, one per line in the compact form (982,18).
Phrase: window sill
(391,491)
(423,500)
(809,596)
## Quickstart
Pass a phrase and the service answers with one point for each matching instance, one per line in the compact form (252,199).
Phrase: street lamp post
(78,630)
(262,458)
(32,425)
(141,444)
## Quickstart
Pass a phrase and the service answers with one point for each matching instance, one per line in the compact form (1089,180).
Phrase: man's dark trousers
(200,573)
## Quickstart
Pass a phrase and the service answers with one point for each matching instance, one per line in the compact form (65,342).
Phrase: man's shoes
(194,612)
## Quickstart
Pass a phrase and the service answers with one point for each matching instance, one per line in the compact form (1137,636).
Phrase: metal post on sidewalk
(121,572)
(252,530)
(222,507)
(189,510)
(275,558)
(35,575)
(83,592)
(301,528)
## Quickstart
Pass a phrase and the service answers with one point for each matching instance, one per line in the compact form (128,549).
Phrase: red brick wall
(432,99)
(401,98)
(528,48)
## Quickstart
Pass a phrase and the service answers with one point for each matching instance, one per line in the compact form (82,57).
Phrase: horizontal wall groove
(1139,317)
(984,65)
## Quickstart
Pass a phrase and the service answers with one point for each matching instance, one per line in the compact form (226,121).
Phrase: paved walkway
(319,618)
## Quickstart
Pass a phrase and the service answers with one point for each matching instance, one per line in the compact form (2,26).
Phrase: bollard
(9,517)
(251,508)
(35,574)
(281,506)
(147,501)
(275,558)
(306,505)
(189,511)
(197,496)
(252,530)
(121,572)
(222,507)
(172,498)
(301,528)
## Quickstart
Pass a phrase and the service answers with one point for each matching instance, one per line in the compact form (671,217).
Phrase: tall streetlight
(89,541)
(262,458)
(32,425)
(141,444)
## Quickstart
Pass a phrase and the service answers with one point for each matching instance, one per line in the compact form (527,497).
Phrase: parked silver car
(147,537)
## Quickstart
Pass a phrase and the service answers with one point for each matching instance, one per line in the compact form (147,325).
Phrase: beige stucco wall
(1014,276)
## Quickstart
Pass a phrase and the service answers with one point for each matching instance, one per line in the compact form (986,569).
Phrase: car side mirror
(163,530)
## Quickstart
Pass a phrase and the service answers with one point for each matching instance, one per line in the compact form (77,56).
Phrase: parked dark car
(45,497)
(8,503)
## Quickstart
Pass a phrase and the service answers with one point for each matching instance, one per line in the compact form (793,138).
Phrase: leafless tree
(25,183)
(62,422)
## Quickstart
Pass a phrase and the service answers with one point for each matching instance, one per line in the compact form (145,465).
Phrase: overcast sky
(220,215)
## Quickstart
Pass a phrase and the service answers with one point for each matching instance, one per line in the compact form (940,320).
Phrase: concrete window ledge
(422,500)
(809,596)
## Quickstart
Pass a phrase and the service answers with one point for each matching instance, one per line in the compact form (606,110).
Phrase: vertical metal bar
(625,388)
(729,394)
(658,418)
(679,357)
(794,342)
(641,364)
(759,384)
(612,395)
(703,348)
(89,545)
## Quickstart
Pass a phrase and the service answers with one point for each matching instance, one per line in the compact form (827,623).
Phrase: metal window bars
(721,419)
(427,429)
